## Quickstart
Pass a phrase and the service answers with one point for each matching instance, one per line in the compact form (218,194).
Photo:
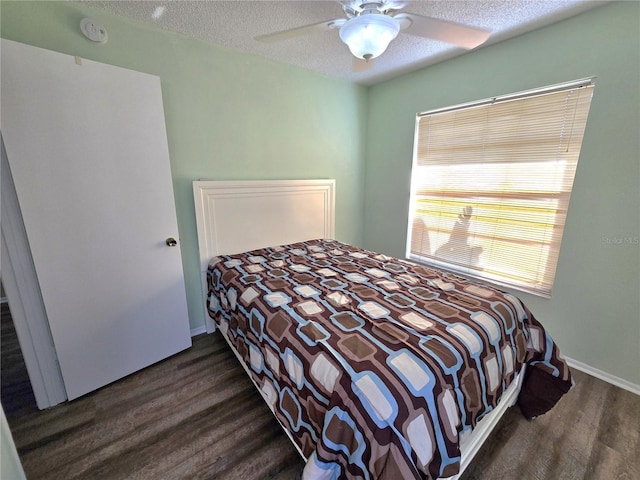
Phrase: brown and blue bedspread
(377,365)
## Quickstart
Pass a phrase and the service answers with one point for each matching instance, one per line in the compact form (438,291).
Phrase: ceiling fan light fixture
(369,35)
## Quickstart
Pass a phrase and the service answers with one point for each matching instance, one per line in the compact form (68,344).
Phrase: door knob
(171,242)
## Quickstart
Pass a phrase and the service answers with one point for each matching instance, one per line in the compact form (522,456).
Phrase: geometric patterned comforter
(374,364)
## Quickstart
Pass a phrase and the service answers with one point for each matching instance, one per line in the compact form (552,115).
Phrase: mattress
(376,366)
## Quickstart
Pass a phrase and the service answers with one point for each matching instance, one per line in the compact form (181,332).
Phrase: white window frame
(461,269)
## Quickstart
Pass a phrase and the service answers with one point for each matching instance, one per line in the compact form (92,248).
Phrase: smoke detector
(93,30)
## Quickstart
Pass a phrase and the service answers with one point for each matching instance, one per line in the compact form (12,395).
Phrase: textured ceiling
(235,24)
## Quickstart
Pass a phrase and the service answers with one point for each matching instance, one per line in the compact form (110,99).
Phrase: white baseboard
(607,377)
(198,331)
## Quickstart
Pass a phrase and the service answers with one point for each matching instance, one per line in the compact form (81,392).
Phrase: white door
(87,148)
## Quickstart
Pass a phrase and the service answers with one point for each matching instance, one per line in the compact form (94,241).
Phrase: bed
(377,368)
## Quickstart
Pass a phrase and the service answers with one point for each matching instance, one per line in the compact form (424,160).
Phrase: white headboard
(238,216)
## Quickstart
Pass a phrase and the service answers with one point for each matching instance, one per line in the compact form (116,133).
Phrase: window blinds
(491,183)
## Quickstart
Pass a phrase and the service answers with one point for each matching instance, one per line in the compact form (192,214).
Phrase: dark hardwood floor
(197,416)
(15,386)
(592,433)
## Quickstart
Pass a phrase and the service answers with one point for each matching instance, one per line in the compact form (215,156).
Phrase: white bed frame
(237,216)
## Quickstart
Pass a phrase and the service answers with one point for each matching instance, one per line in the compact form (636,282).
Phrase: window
(491,183)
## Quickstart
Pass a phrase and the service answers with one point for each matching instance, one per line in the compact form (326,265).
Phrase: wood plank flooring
(592,433)
(15,386)
(197,416)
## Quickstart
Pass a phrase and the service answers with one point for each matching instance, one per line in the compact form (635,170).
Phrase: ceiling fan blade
(360,65)
(449,32)
(300,31)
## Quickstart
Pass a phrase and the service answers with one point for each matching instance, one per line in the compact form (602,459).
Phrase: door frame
(25,301)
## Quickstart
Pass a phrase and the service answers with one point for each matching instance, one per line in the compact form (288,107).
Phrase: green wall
(229,116)
(594,314)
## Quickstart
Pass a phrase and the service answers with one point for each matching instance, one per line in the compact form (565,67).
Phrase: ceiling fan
(372,24)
